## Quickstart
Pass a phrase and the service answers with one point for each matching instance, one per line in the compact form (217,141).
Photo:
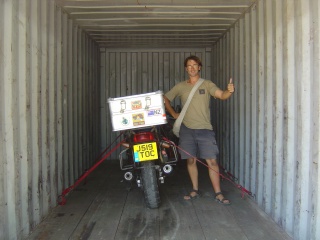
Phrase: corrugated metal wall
(126,72)
(49,101)
(269,134)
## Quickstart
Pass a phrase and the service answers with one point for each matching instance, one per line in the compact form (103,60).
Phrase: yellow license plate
(145,152)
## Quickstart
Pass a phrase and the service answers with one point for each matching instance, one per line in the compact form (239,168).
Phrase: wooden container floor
(105,206)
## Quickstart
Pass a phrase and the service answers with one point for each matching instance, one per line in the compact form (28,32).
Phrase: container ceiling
(155,23)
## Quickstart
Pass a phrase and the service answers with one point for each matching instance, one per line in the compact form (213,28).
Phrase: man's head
(193,65)
(194,58)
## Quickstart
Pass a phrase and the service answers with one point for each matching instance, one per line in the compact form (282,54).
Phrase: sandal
(191,195)
(223,201)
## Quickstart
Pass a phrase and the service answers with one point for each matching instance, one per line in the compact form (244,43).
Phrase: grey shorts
(200,143)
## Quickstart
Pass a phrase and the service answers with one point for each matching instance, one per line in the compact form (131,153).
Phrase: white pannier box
(137,111)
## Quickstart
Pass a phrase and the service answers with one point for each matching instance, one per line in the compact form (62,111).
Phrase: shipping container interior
(61,60)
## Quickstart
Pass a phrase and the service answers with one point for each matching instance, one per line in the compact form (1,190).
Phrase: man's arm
(223,95)
(169,108)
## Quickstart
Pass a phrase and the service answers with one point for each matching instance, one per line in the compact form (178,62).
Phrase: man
(196,134)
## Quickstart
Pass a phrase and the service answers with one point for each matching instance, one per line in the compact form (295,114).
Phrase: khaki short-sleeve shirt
(198,113)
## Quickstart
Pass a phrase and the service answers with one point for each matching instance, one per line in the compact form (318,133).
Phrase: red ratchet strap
(228,173)
(103,152)
(242,189)
(62,199)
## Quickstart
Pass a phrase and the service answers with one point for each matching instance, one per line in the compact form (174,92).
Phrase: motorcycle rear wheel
(150,184)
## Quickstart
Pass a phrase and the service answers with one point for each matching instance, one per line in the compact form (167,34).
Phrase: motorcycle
(147,159)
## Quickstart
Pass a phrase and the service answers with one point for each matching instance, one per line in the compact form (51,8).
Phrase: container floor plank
(107,207)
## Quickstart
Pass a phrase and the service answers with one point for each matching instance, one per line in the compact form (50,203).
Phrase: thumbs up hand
(230,86)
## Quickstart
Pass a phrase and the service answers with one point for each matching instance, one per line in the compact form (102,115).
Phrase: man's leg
(215,178)
(193,173)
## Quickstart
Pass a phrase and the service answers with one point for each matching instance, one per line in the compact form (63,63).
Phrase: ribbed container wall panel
(268,131)
(50,110)
(126,72)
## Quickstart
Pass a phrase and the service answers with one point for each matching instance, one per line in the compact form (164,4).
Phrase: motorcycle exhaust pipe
(128,176)
(167,169)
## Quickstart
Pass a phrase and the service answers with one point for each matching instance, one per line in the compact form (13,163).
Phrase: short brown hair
(194,58)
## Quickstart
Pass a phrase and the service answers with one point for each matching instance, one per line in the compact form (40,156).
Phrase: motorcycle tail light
(143,137)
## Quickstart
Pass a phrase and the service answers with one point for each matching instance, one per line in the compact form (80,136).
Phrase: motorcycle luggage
(137,111)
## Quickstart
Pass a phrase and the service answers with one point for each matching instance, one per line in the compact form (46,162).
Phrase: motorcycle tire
(150,185)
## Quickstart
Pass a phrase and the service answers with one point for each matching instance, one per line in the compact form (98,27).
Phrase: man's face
(192,68)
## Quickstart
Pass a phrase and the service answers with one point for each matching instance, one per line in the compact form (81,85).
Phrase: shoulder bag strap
(177,123)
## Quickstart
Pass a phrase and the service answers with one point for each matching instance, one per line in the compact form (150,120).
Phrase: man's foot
(220,199)
(193,194)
